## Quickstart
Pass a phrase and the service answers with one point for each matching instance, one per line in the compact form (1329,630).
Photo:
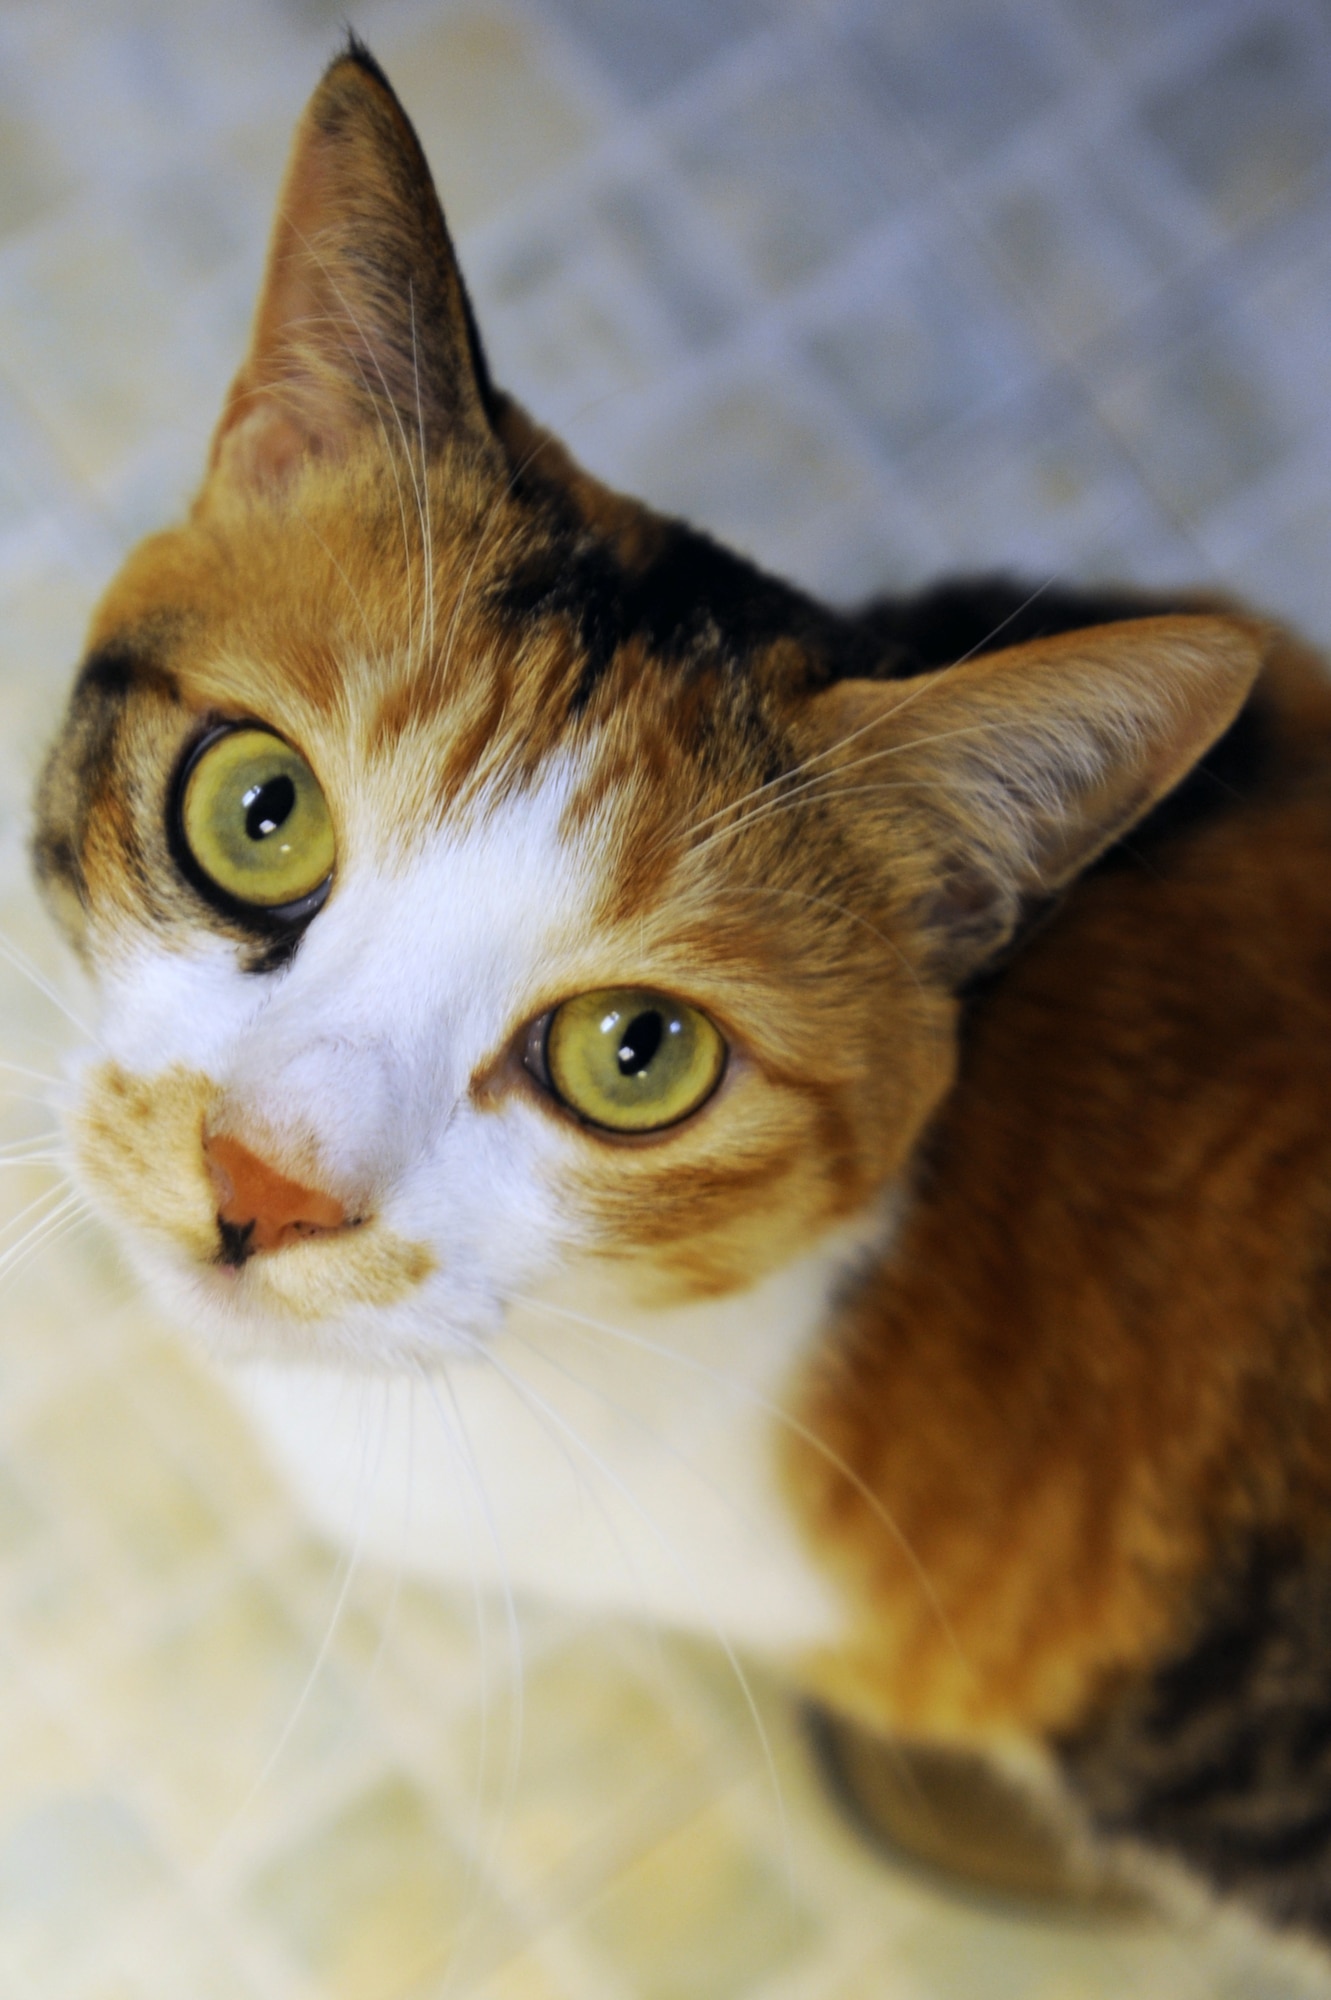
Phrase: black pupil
(268,806)
(642,1038)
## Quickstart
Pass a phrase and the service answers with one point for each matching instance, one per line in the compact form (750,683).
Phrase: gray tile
(1035,485)
(1118,27)
(602,297)
(968,81)
(30,483)
(859,552)
(1290,318)
(792,169)
(33,179)
(1248,129)
(654,241)
(648,47)
(186,218)
(747,463)
(1288,573)
(1082,242)
(1198,414)
(928,345)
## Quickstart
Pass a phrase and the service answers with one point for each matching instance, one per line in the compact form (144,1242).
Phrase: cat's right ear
(987,787)
(363,322)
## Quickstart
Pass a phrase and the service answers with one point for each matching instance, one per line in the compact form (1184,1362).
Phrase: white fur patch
(411,978)
(596,1455)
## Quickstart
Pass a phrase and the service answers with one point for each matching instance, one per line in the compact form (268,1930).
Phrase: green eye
(632,1060)
(255,821)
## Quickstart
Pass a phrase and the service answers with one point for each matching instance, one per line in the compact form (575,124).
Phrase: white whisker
(653,1527)
(21,963)
(349,1564)
(427,530)
(467,1462)
(352,592)
(34,1075)
(823,781)
(389,398)
(788,1422)
(69,1212)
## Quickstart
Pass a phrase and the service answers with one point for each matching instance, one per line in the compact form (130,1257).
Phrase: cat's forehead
(428,707)
(526,637)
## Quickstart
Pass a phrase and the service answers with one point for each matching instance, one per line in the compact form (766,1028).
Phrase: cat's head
(481,874)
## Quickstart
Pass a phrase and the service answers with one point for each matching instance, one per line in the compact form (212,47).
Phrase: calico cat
(852,1091)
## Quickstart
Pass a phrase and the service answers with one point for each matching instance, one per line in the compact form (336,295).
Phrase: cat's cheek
(136,1149)
(160,1007)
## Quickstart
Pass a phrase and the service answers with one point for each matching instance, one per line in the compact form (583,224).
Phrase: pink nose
(259,1208)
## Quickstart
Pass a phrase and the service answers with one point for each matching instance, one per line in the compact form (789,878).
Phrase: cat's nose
(259,1208)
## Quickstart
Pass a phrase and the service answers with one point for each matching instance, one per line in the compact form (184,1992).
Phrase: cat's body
(955,1327)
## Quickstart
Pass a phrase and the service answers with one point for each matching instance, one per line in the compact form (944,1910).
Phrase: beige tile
(71,1866)
(227,1712)
(702,1916)
(523,1978)
(167,1953)
(369,1903)
(64,1611)
(101,1462)
(39,1753)
(21,1518)
(187,1405)
(586,1768)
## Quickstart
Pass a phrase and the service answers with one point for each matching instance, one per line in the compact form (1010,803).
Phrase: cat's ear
(363,319)
(990,785)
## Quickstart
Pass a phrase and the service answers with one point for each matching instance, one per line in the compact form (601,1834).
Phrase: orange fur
(1097,1359)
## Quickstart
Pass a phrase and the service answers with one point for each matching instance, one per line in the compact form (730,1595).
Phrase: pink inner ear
(264,447)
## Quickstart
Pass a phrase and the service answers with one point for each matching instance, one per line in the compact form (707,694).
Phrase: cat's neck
(596,1452)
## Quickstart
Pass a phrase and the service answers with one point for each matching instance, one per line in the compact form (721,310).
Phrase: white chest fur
(619,1460)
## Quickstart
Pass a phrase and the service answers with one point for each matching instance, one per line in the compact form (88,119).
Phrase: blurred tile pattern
(874,291)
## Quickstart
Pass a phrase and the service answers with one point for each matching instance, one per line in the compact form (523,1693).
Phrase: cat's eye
(254,821)
(631,1060)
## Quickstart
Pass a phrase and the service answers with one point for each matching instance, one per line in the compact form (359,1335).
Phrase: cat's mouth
(316,1279)
(250,1240)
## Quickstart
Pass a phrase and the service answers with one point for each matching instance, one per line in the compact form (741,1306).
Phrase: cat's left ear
(363,320)
(991,785)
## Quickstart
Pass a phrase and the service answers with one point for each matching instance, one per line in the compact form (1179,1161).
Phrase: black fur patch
(276,955)
(83,766)
(955,621)
(694,603)
(118,669)
(1223,1755)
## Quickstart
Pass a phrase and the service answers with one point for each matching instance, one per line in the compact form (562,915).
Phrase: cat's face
(498,849)
(481,875)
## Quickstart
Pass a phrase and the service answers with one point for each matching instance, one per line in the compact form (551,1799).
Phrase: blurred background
(874,290)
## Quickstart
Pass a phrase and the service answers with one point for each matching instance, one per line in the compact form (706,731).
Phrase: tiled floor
(874,289)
